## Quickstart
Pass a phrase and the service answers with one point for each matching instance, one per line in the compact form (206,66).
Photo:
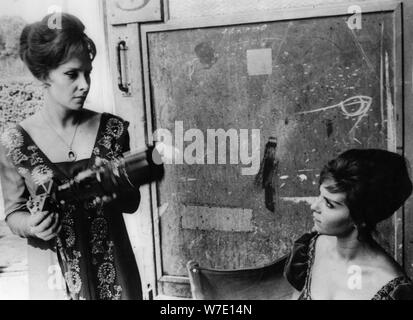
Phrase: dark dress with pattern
(298,271)
(93,248)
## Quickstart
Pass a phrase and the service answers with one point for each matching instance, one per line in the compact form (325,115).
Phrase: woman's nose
(84,83)
(315,204)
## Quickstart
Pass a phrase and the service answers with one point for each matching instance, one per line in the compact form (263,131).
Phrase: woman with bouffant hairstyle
(61,139)
(341,259)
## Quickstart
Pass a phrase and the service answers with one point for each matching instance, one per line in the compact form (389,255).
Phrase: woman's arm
(42,225)
(129,199)
(18,223)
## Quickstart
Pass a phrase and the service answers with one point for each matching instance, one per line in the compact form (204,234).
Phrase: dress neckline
(384,290)
(54,164)
(71,162)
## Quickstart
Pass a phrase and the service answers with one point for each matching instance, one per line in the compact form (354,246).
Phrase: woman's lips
(80,99)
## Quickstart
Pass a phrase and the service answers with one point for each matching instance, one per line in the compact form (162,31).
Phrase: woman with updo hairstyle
(340,259)
(89,239)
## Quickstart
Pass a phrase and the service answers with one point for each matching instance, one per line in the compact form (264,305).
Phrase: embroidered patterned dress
(93,248)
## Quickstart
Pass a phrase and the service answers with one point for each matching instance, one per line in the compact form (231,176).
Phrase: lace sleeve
(125,138)
(13,187)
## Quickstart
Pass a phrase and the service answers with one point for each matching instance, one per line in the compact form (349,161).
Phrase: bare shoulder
(386,267)
(379,269)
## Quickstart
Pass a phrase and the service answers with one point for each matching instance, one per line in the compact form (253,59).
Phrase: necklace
(71,155)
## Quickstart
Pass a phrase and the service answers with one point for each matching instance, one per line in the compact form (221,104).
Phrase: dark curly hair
(376,183)
(43,48)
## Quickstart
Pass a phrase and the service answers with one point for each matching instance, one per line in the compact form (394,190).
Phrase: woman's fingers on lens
(47,237)
(50,237)
(49,228)
(56,223)
(45,224)
(43,235)
(37,218)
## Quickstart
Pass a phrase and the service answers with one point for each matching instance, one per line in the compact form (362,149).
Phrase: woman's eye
(72,75)
(329,205)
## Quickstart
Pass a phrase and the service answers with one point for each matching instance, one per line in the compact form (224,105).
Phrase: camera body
(103,182)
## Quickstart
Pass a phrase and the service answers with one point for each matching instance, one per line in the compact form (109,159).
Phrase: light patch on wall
(309,200)
(217,218)
(259,62)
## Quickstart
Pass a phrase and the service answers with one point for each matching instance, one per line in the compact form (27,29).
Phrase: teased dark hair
(43,48)
(376,183)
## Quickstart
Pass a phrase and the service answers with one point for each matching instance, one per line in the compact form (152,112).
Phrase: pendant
(72,155)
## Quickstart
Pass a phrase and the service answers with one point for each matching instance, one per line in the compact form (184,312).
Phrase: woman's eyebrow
(78,69)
